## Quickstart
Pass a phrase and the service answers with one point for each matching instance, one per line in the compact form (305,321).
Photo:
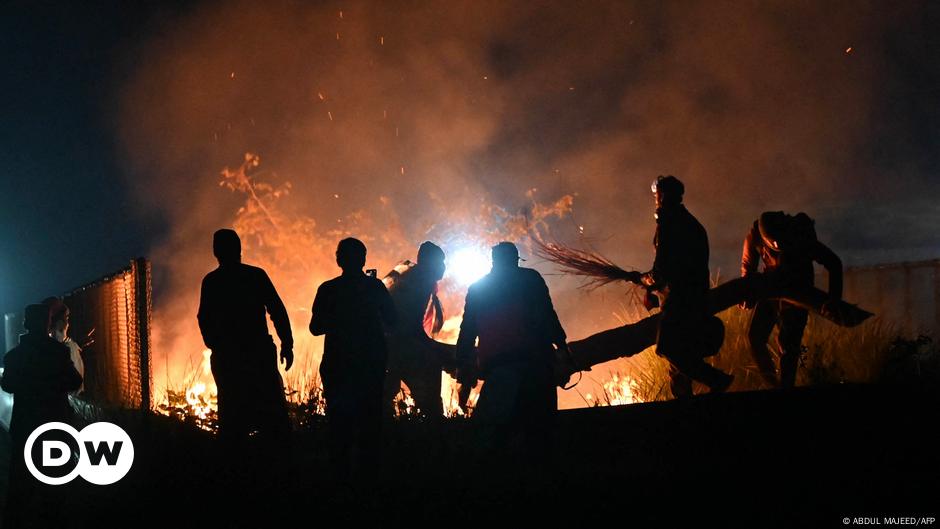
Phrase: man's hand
(466,376)
(564,365)
(634,277)
(463,397)
(747,304)
(650,300)
(287,356)
(830,307)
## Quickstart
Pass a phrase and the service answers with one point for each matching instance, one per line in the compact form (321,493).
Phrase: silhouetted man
(511,313)
(350,311)
(414,358)
(787,245)
(232,307)
(59,315)
(40,374)
(680,276)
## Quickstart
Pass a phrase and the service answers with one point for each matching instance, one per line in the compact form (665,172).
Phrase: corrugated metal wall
(904,293)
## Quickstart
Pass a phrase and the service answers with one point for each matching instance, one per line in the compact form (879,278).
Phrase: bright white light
(467,265)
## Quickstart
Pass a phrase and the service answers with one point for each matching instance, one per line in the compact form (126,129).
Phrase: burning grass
(273,234)
(298,252)
(194,400)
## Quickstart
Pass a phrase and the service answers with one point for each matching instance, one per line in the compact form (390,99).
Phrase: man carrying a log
(414,358)
(788,246)
(680,276)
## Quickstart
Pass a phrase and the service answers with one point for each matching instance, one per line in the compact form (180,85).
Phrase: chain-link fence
(110,319)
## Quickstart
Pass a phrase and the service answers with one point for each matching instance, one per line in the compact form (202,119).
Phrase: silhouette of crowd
(377,340)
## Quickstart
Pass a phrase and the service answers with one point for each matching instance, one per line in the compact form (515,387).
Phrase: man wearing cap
(510,312)
(233,304)
(680,276)
(414,358)
(787,245)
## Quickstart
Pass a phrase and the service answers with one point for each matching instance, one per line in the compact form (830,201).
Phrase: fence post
(143,310)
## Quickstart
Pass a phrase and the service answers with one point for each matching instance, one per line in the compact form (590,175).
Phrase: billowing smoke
(401,121)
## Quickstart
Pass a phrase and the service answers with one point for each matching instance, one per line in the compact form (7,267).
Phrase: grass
(831,355)
(872,352)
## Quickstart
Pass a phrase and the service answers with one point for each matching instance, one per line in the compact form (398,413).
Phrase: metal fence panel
(115,312)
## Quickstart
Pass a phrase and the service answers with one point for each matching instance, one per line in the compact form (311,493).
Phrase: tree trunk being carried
(631,339)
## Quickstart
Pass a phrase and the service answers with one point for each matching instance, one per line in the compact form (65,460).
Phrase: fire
(198,402)
(196,397)
(202,395)
(404,404)
(448,334)
(621,389)
(298,255)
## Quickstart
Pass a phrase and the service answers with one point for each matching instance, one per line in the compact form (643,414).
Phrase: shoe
(723,384)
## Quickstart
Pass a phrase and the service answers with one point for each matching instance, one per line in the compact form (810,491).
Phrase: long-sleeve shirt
(232,307)
(793,264)
(511,313)
(681,244)
(351,310)
(40,374)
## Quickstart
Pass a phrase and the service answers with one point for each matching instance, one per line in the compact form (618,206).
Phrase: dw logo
(102,453)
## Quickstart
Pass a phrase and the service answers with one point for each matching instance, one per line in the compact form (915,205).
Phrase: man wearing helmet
(788,246)
(680,276)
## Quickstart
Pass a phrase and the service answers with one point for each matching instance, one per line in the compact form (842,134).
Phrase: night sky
(72,73)
(67,218)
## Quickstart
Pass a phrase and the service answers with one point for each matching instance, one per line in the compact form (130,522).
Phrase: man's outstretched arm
(825,256)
